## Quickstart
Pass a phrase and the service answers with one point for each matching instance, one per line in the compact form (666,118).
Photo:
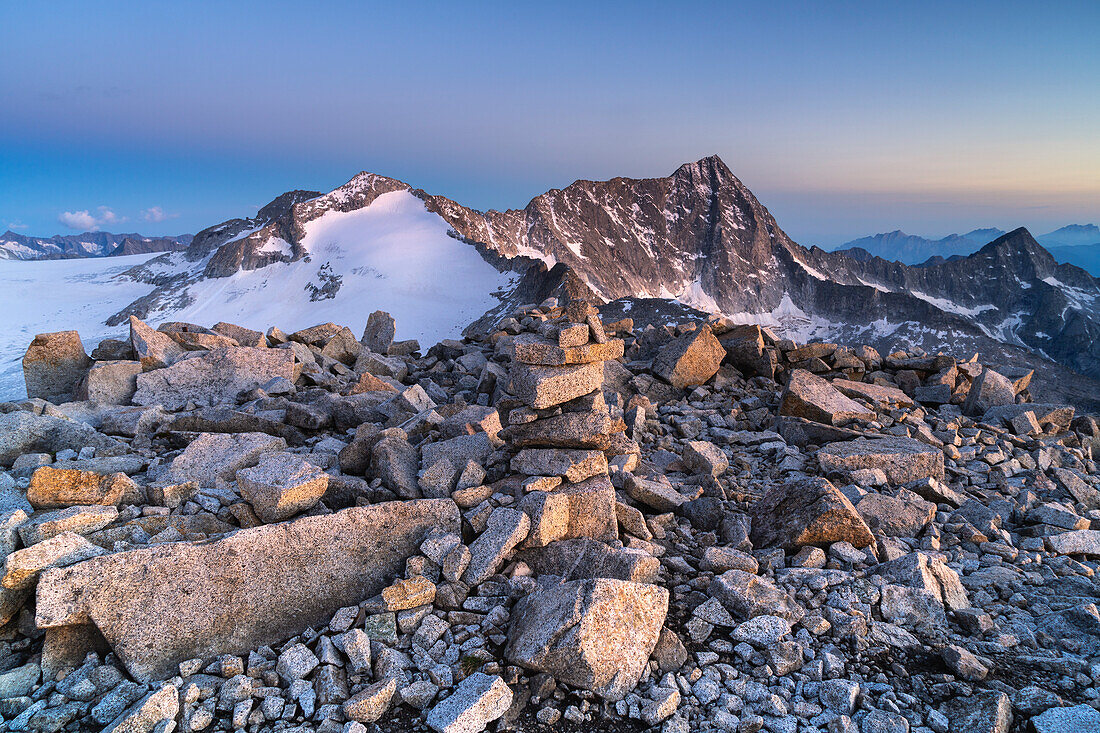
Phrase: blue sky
(845,118)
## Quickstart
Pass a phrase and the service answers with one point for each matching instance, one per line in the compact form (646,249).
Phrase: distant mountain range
(89,244)
(1076,244)
(697,238)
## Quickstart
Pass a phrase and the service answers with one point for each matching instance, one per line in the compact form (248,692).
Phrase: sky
(844,118)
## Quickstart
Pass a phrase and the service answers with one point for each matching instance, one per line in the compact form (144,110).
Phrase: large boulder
(989,389)
(531,349)
(691,359)
(24,432)
(54,364)
(213,456)
(920,570)
(881,396)
(571,511)
(154,349)
(595,634)
(901,459)
(809,396)
(53,488)
(809,511)
(213,378)
(110,382)
(379,333)
(746,596)
(895,516)
(161,605)
(546,386)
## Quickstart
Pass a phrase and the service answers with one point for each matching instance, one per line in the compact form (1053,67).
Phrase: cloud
(85,221)
(155,215)
(13,225)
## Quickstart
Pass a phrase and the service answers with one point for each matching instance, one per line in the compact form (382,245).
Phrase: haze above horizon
(845,119)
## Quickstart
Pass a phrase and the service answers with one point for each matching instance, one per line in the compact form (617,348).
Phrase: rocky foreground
(566,525)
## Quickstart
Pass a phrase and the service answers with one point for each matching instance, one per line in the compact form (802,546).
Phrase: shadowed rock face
(162,605)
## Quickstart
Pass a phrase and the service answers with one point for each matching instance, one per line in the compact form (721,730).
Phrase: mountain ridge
(698,236)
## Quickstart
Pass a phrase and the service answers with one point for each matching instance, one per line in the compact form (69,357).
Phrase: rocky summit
(557,522)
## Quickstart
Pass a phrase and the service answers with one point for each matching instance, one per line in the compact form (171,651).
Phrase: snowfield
(38,296)
(393,255)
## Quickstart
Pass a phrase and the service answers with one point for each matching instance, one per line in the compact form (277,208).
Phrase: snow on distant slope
(59,295)
(392,255)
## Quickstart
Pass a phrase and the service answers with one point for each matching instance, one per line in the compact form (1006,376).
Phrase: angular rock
(920,570)
(691,359)
(746,595)
(379,333)
(505,529)
(989,389)
(213,456)
(571,511)
(813,398)
(568,430)
(54,364)
(809,511)
(213,378)
(148,713)
(883,398)
(660,496)
(154,349)
(54,488)
(895,516)
(594,634)
(584,558)
(1076,719)
(544,386)
(702,457)
(23,566)
(532,349)
(394,460)
(82,520)
(902,459)
(1075,542)
(479,700)
(281,486)
(986,711)
(572,464)
(370,704)
(110,382)
(161,605)
(24,432)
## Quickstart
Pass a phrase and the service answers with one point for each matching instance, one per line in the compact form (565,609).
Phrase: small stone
(371,703)
(479,700)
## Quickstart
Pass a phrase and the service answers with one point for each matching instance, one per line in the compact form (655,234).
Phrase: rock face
(160,606)
(214,377)
(54,364)
(594,634)
(691,359)
(901,459)
(807,512)
(809,396)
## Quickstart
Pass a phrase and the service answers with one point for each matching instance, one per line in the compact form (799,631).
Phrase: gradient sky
(845,118)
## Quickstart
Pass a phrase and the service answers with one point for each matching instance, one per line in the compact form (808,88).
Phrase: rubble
(668,527)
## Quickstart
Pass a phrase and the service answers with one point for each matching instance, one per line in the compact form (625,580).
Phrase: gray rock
(213,456)
(110,382)
(379,333)
(212,378)
(813,398)
(144,717)
(24,432)
(505,529)
(902,459)
(54,364)
(989,389)
(479,700)
(746,596)
(1076,719)
(281,486)
(806,511)
(164,604)
(986,711)
(594,634)
(154,349)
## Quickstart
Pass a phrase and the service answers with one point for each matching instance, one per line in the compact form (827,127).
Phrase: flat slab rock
(901,459)
(24,432)
(214,378)
(594,634)
(809,396)
(161,605)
